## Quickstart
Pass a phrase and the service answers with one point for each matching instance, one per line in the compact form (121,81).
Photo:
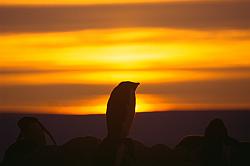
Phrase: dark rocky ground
(155,132)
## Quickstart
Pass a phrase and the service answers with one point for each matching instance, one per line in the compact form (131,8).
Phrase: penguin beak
(136,85)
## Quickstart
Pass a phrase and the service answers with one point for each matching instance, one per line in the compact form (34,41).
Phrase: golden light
(109,56)
(84,2)
(149,103)
(98,105)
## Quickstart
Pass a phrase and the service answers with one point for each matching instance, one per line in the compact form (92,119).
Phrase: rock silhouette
(188,150)
(161,155)
(79,151)
(214,148)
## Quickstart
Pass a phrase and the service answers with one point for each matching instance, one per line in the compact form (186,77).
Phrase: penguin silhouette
(121,110)
(33,130)
(30,142)
(116,149)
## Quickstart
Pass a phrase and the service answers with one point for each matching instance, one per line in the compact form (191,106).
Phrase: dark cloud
(50,95)
(194,15)
(206,91)
(223,91)
(228,70)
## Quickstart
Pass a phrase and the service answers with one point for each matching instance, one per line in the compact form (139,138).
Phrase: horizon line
(149,112)
(119,3)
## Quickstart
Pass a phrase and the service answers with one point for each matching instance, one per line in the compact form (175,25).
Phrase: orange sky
(58,65)
(39,2)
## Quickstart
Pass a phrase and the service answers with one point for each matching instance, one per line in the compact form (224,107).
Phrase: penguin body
(121,109)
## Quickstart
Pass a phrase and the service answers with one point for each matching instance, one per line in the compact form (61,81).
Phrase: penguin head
(216,129)
(31,130)
(129,85)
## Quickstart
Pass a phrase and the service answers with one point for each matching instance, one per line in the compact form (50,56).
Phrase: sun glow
(107,57)
(84,2)
(95,105)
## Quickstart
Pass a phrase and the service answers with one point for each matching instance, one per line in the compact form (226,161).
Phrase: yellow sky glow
(84,2)
(146,55)
(136,48)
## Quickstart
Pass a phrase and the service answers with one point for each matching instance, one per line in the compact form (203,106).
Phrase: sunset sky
(63,2)
(65,56)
